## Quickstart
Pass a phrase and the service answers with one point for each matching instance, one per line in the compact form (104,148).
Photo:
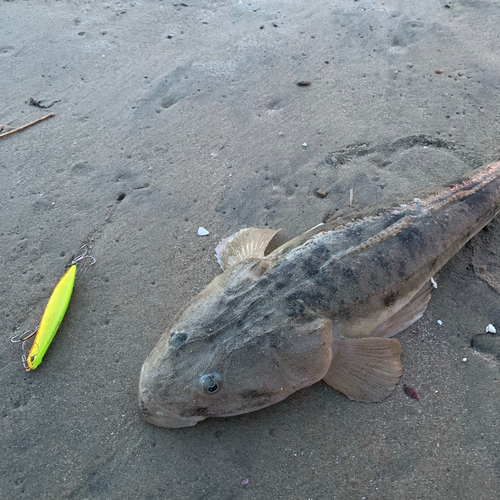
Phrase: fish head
(230,352)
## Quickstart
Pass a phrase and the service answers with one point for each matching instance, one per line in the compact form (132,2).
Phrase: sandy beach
(170,116)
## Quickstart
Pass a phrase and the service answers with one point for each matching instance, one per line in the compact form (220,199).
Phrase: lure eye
(211,383)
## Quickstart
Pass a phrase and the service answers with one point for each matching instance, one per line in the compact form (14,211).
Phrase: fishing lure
(52,317)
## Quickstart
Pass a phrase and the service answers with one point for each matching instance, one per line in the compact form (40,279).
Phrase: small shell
(439,322)
(491,329)
(202,231)
(411,392)
(434,284)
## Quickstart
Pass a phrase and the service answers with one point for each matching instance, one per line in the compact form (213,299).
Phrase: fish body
(323,306)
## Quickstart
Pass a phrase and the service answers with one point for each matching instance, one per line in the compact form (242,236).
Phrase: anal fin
(365,369)
(249,243)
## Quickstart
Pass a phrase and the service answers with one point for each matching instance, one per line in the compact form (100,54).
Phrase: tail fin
(461,191)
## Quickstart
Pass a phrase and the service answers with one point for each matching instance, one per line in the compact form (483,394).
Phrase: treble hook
(22,338)
(84,255)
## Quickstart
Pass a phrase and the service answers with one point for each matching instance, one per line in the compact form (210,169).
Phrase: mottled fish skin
(269,326)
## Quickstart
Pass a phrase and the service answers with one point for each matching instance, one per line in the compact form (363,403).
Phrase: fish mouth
(161,415)
(165,418)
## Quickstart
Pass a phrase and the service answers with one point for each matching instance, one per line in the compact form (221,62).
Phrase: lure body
(52,317)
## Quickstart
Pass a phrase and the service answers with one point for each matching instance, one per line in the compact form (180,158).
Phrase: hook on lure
(52,316)
(23,338)
(84,255)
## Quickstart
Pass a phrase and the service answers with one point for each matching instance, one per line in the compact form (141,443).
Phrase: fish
(323,306)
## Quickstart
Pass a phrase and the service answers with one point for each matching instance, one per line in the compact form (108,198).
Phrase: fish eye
(211,383)
(177,339)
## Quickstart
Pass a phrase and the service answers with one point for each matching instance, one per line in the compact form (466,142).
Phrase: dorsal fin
(248,243)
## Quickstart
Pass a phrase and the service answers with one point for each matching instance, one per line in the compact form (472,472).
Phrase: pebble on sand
(202,231)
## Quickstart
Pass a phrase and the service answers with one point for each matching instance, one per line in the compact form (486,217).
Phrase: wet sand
(174,116)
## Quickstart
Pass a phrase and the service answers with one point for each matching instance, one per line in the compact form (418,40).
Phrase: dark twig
(38,104)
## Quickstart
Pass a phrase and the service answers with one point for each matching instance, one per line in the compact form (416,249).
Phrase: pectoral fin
(246,244)
(365,369)
(403,318)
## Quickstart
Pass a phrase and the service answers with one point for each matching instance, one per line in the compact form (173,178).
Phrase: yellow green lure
(52,317)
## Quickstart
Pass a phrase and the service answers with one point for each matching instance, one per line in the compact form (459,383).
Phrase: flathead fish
(320,307)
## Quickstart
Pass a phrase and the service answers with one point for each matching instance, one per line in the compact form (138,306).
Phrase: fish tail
(462,191)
